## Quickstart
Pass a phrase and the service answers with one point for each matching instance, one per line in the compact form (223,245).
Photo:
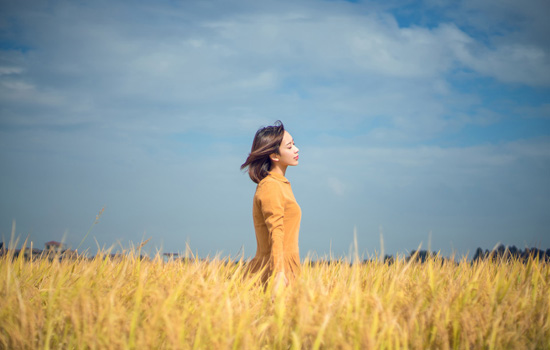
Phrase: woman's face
(288,152)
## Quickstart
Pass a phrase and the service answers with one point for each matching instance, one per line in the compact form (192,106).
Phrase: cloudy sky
(428,122)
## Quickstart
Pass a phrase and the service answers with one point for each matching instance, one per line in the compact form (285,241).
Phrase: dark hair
(266,141)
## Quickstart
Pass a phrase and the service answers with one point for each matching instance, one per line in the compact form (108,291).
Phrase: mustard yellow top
(277,224)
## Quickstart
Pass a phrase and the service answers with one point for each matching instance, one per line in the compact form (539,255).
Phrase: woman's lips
(296,157)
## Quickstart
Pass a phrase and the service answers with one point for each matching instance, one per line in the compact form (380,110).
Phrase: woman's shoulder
(269,190)
(269,184)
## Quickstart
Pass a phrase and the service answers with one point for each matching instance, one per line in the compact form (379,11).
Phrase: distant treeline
(57,250)
(499,253)
(512,253)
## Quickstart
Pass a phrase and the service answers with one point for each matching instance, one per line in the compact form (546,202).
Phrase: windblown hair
(266,141)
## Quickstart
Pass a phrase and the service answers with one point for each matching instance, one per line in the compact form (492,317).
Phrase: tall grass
(131,303)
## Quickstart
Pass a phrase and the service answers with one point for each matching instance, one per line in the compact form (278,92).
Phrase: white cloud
(515,63)
(337,186)
(6,70)
(455,167)
(356,64)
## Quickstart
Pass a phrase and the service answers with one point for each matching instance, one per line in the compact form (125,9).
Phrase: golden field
(131,303)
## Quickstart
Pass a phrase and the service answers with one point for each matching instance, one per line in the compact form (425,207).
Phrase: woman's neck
(278,169)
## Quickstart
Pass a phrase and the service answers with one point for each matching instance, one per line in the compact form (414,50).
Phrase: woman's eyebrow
(289,142)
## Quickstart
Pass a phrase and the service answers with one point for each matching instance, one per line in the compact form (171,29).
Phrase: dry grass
(130,303)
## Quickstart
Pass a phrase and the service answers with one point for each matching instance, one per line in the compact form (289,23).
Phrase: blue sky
(414,120)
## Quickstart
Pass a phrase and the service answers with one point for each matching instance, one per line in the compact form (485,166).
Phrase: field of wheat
(132,303)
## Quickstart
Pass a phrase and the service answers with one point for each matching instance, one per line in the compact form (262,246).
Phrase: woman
(275,211)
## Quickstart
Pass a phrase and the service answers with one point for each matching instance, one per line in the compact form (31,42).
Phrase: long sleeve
(273,209)
(276,217)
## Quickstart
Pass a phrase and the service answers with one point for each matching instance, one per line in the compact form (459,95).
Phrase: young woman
(275,211)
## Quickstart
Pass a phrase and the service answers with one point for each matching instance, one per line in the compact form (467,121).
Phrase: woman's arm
(280,282)
(273,210)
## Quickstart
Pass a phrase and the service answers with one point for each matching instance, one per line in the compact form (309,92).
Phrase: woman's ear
(274,157)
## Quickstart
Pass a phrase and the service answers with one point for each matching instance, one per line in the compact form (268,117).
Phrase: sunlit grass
(105,303)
